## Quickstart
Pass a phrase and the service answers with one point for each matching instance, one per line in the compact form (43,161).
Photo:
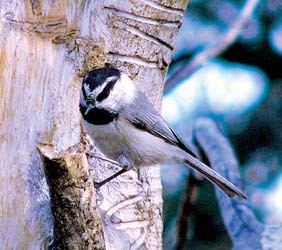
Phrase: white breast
(105,138)
(138,146)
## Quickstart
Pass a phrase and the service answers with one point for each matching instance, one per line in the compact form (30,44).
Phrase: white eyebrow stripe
(111,78)
(99,89)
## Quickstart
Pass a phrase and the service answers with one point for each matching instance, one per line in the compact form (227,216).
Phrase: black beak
(89,108)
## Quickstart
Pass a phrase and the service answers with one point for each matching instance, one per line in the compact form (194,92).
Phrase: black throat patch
(98,116)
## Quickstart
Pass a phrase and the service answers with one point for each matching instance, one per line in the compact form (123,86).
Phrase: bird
(127,128)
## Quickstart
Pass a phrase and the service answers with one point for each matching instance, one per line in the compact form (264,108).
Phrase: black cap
(97,77)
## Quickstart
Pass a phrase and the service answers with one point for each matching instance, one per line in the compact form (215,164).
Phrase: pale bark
(46,46)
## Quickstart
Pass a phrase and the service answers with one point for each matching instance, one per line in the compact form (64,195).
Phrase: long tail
(226,186)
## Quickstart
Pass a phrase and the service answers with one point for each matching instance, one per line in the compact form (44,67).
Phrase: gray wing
(142,114)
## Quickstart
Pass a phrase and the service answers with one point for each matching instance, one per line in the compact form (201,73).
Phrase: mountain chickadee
(127,128)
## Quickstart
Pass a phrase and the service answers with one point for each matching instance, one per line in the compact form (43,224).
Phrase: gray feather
(142,114)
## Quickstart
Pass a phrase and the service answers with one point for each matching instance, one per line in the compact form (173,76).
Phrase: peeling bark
(45,48)
(73,199)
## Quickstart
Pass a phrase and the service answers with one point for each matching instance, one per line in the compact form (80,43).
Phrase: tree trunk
(46,47)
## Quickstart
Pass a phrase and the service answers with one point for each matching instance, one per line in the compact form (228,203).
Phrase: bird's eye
(106,91)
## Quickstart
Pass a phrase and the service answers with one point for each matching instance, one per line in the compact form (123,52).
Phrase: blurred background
(241,90)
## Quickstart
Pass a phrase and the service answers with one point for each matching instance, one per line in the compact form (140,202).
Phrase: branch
(214,48)
(183,221)
(240,221)
(76,221)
